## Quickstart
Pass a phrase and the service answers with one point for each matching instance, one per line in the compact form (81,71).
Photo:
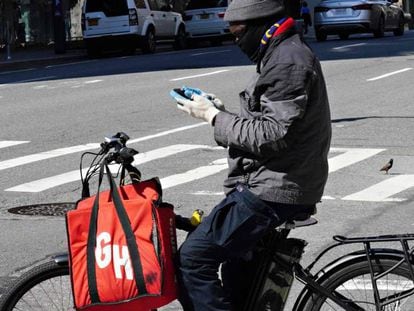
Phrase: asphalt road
(49,114)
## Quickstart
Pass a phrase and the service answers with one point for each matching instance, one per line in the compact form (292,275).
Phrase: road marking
(65,151)
(179,129)
(382,191)
(92,81)
(205,53)
(30,80)
(198,173)
(350,156)
(9,143)
(67,64)
(348,46)
(205,192)
(389,284)
(45,155)
(58,180)
(38,87)
(14,71)
(389,74)
(200,75)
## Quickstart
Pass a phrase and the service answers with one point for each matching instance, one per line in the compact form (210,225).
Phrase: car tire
(401,25)
(216,42)
(149,43)
(180,42)
(344,36)
(379,32)
(321,35)
(129,51)
(93,52)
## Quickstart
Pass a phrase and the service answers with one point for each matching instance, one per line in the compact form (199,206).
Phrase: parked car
(345,17)
(128,24)
(204,20)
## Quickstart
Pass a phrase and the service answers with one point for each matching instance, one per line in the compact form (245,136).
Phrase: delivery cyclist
(277,150)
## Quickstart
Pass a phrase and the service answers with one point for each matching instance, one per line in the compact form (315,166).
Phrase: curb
(36,61)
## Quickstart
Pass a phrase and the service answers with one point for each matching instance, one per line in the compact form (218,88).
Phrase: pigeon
(387,166)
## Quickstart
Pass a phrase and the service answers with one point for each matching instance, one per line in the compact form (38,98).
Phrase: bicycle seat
(301,220)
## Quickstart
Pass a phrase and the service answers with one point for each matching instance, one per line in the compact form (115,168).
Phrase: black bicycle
(372,278)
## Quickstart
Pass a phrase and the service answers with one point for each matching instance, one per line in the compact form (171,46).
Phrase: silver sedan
(345,17)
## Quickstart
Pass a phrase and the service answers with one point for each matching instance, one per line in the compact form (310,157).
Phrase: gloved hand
(199,107)
(216,101)
(190,91)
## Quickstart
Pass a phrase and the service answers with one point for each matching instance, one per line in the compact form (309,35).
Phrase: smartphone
(179,94)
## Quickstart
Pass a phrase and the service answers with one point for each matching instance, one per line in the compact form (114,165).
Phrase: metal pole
(8,34)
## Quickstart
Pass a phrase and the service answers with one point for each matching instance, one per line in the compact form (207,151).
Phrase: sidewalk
(23,57)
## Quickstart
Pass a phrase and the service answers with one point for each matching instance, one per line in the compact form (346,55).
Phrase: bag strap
(129,234)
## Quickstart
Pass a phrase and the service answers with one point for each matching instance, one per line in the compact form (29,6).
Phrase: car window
(163,5)
(140,4)
(153,5)
(109,7)
(205,4)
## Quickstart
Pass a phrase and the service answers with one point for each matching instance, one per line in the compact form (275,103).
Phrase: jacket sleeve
(284,93)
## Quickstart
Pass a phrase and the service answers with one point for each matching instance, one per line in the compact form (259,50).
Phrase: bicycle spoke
(52,294)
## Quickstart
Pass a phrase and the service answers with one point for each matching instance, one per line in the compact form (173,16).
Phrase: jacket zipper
(246,179)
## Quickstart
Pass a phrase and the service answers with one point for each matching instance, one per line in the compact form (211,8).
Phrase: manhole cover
(51,209)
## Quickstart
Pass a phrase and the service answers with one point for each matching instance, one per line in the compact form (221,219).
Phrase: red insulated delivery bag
(122,243)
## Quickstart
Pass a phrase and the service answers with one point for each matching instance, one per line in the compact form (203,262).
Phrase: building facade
(30,22)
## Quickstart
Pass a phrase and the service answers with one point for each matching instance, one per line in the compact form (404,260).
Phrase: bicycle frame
(279,264)
(368,254)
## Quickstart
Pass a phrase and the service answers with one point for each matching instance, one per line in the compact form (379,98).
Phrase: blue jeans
(230,231)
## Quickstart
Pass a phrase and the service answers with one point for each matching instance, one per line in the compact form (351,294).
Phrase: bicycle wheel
(354,282)
(46,287)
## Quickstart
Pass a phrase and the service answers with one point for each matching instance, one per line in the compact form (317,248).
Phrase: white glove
(199,107)
(195,91)
(216,101)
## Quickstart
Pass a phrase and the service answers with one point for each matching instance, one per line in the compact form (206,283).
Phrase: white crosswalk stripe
(383,191)
(349,156)
(45,155)
(74,149)
(9,143)
(198,173)
(54,181)
(340,158)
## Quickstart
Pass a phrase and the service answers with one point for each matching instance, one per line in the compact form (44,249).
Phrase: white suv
(204,20)
(128,24)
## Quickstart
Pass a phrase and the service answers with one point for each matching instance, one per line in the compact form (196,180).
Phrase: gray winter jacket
(278,144)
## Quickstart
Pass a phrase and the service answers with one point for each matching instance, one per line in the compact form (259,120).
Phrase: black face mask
(249,40)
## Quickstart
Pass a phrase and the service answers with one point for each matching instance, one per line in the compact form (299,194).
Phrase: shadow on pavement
(227,55)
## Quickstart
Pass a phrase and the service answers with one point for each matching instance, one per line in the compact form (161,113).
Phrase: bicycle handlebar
(121,154)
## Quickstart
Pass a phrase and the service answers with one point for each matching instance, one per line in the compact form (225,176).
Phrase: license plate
(339,11)
(204,16)
(93,22)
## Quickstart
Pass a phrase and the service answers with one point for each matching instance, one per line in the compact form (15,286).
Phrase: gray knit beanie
(243,10)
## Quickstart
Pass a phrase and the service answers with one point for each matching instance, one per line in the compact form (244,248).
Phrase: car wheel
(149,44)
(379,32)
(93,52)
(400,30)
(180,42)
(321,36)
(216,42)
(344,36)
(129,50)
